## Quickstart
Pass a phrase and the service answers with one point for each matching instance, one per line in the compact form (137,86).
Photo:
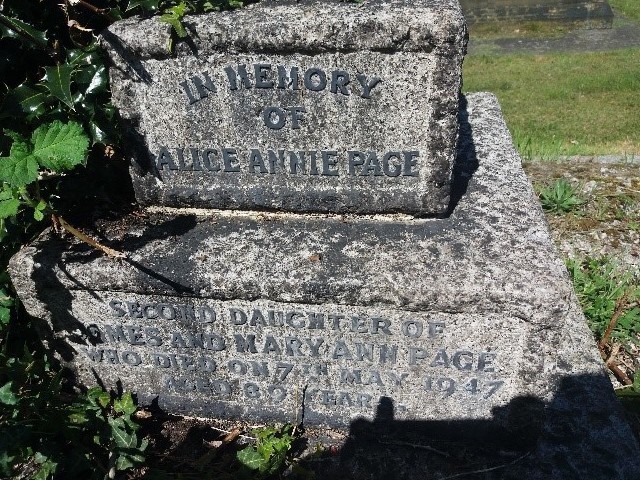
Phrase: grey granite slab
(311,107)
(453,342)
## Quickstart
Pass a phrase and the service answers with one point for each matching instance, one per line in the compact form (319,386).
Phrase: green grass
(628,8)
(564,104)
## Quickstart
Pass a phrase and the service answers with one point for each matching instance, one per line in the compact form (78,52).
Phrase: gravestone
(425,309)
(590,13)
(348,110)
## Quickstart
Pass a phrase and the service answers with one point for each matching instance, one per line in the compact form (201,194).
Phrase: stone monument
(588,13)
(334,237)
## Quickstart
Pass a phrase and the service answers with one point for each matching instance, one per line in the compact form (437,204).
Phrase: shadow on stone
(526,439)
(127,55)
(57,298)
(178,287)
(466,162)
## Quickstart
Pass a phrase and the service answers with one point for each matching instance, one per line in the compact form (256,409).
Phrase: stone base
(456,344)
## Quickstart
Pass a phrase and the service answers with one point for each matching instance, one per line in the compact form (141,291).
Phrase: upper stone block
(326,107)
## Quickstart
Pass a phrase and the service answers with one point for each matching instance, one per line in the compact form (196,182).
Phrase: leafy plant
(173,15)
(560,197)
(604,289)
(110,419)
(55,147)
(46,433)
(269,454)
(55,114)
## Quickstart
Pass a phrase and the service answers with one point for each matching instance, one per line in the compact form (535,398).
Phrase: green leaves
(560,197)
(125,404)
(26,100)
(603,288)
(77,89)
(250,458)
(270,452)
(98,398)
(6,302)
(57,79)
(20,167)
(56,146)
(25,33)
(173,16)
(8,207)
(60,147)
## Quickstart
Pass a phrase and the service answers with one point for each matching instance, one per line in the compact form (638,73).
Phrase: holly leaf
(97,80)
(25,33)
(57,79)
(20,168)
(29,100)
(60,146)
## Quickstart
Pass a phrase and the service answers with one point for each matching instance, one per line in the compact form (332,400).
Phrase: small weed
(603,288)
(560,197)
(269,454)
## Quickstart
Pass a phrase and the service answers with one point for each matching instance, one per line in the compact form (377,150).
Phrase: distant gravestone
(349,110)
(592,13)
(459,334)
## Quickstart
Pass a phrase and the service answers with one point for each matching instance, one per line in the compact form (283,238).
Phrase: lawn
(564,103)
(628,8)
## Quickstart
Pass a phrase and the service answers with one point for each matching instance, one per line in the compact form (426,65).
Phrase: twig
(613,365)
(622,377)
(87,239)
(610,360)
(617,313)
(232,431)
(229,438)
(414,445)
(216,447)
(484,470)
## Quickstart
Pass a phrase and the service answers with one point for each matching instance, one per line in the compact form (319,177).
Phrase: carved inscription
(239,79)
(265,76)
(324,163)
(240,352)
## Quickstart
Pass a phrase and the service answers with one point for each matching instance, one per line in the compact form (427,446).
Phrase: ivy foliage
(56,116)
(269,453)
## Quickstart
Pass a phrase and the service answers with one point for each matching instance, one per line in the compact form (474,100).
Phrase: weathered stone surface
(462,332)
(367,126)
